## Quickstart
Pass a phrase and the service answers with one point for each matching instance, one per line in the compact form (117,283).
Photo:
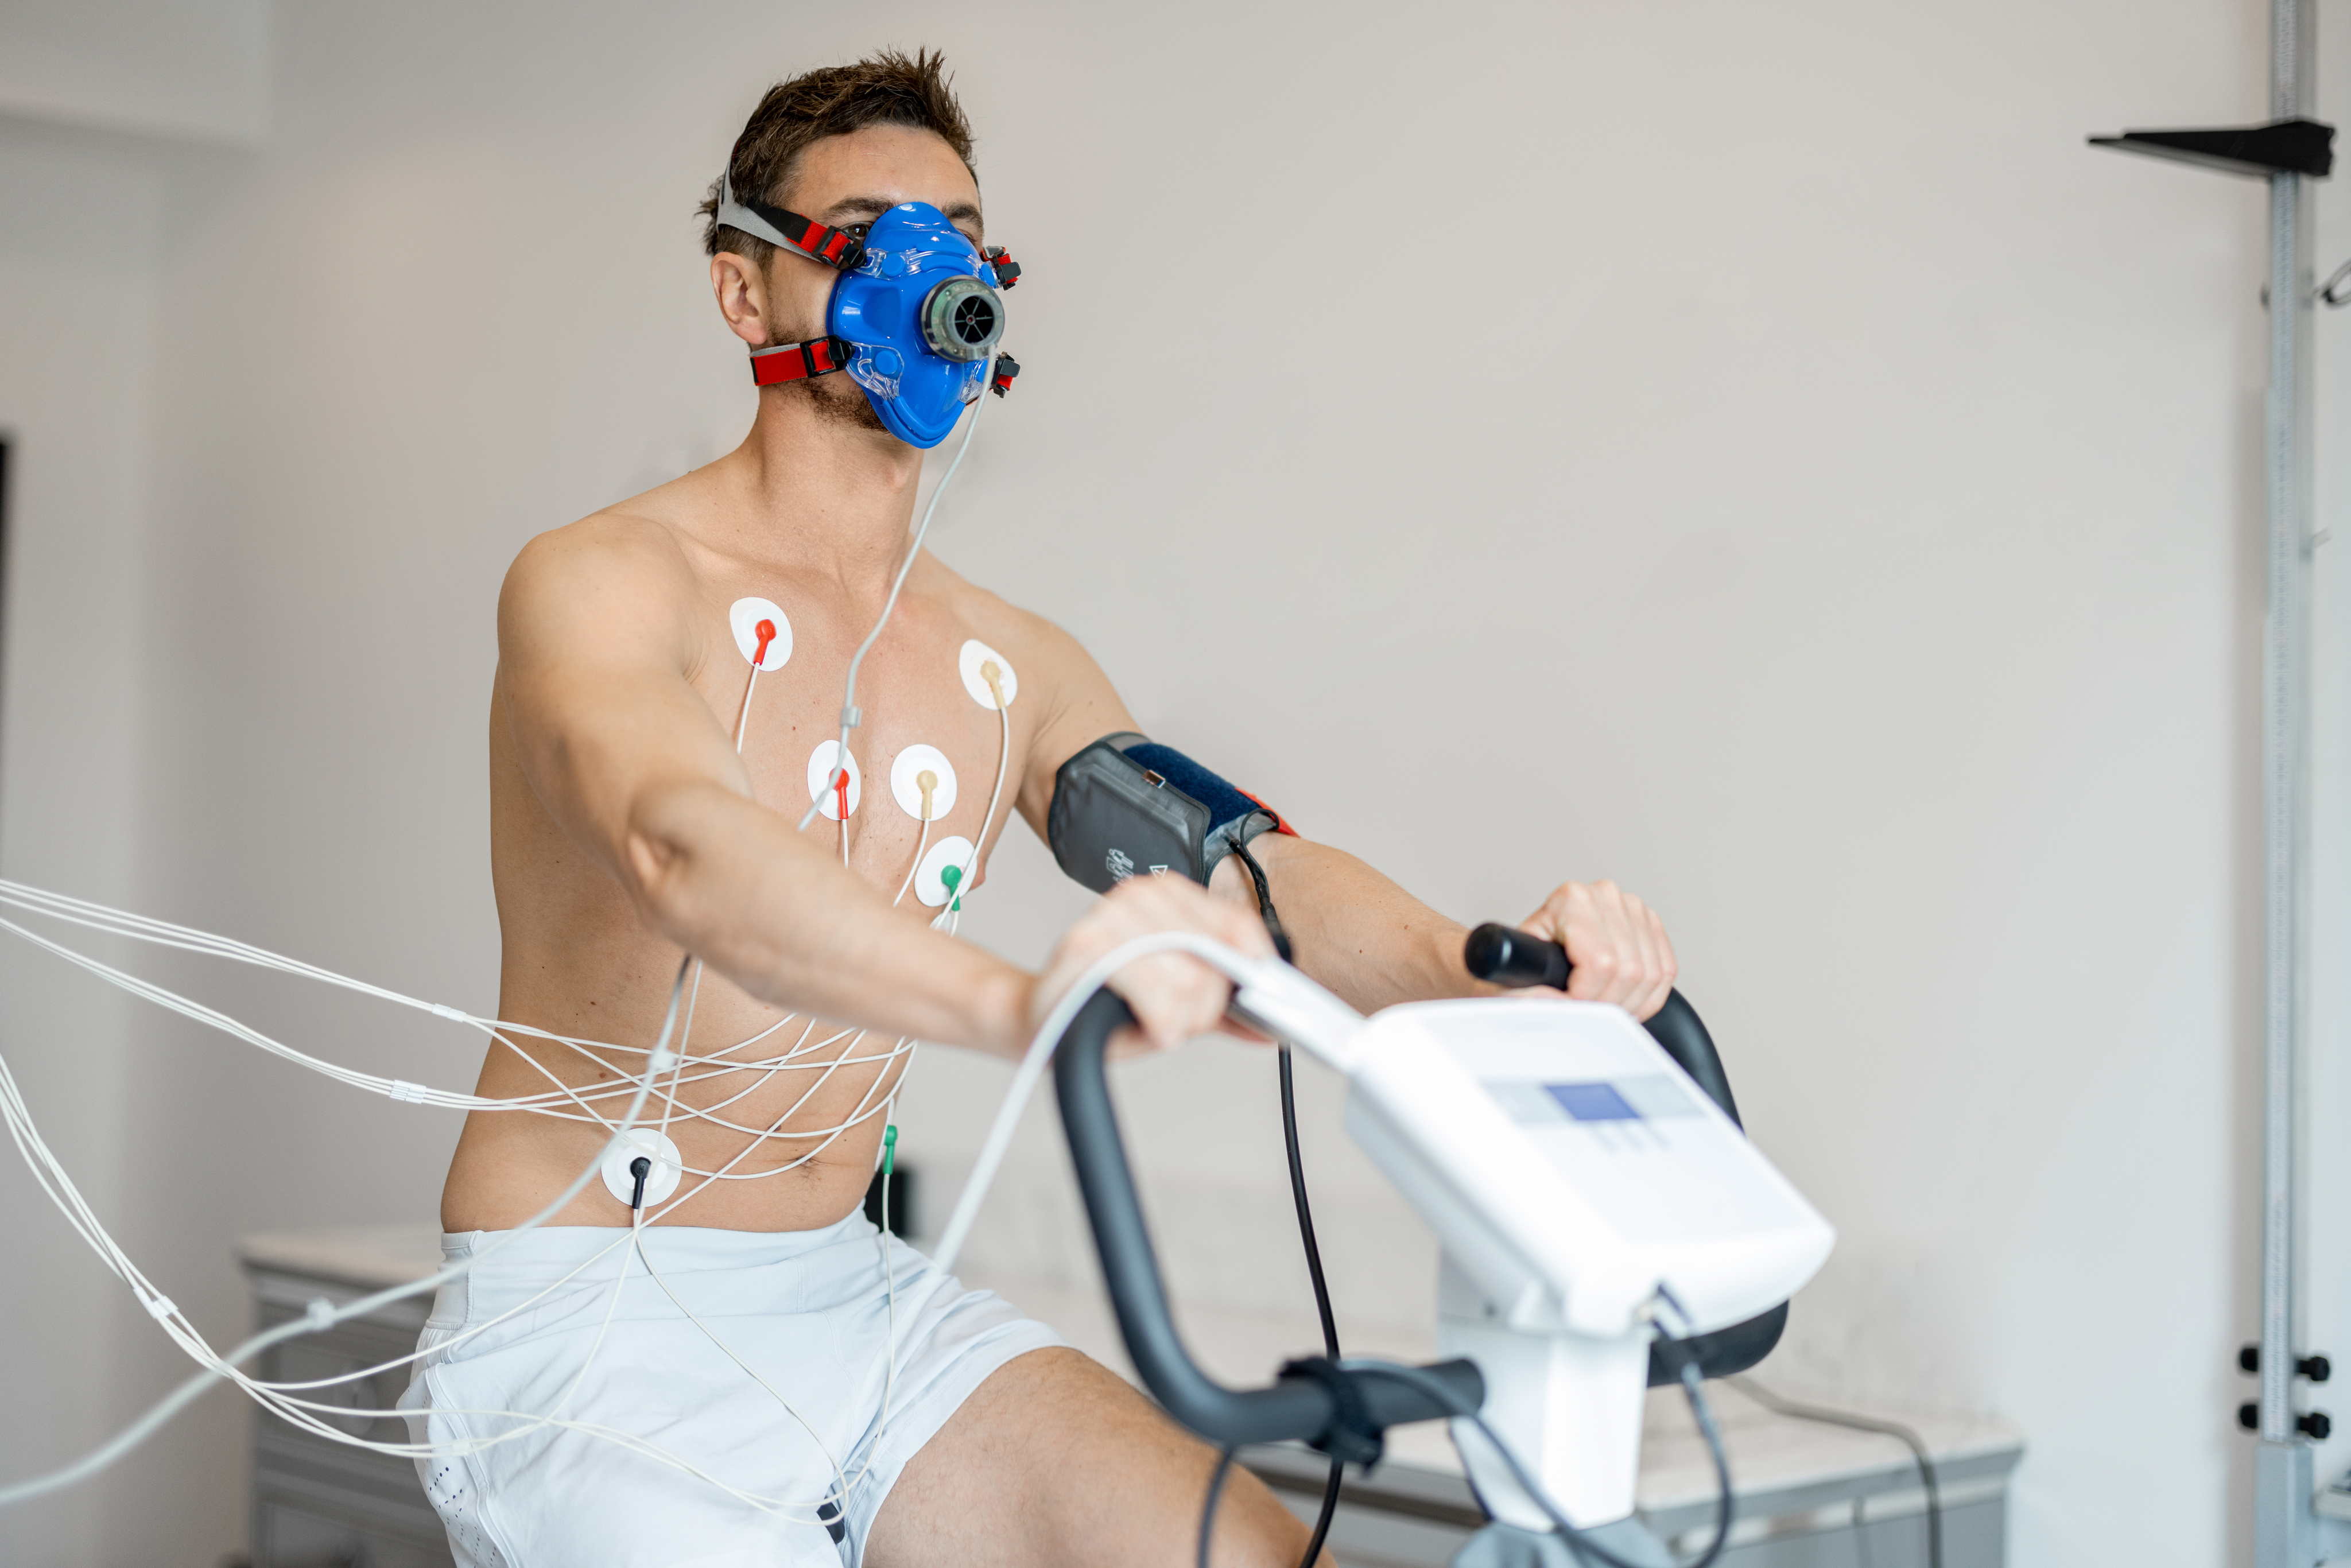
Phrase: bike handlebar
(1295,1407)
(1508,956)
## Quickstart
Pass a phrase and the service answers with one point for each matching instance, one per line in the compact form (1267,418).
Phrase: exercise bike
(1606,1227)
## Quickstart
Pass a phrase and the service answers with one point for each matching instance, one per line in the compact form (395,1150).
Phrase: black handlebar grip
(1508,956)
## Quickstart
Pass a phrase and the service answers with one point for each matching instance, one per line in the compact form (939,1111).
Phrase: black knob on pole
(2249,1416)
(2318,1368)
(2315,1425)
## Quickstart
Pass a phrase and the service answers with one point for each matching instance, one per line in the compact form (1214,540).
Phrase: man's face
(845,183)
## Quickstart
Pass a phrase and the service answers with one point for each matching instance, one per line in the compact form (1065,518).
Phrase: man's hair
(886,88)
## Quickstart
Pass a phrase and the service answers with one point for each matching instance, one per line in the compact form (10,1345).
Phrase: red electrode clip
(840,783)
(766,631)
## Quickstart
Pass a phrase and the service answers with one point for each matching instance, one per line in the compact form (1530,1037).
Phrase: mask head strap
(788,231)
(799,361)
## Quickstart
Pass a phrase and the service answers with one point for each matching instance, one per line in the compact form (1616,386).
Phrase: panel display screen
(1592,1101)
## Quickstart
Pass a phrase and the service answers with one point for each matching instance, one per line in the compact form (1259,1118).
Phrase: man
(758,1377)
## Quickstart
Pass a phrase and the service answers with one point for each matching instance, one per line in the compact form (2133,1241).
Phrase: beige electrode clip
(922,781)
(987,675)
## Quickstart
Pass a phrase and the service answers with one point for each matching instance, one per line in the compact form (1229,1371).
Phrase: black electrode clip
(640,1167)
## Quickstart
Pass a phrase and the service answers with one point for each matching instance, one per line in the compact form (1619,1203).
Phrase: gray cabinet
(318,1503)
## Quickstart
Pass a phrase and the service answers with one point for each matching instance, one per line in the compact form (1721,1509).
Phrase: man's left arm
(1350,928)
(1367,939)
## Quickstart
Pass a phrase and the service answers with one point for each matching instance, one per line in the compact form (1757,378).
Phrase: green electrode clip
(889,1146)
(951,877)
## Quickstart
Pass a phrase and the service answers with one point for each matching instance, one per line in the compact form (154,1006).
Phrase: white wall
(189,70)
(77,315)
(1757,454)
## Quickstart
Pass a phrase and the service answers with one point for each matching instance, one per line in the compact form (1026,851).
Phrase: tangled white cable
(670,1054)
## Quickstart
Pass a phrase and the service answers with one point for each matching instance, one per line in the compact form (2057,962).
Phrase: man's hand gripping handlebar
(1506,957)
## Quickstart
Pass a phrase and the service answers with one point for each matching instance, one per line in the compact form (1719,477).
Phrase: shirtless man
(627,831)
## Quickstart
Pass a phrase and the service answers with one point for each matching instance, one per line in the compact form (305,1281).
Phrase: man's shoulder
(1013,631)
(616,568)
(615,540)
(612,552)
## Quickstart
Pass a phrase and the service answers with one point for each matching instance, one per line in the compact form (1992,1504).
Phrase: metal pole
(2284,726)
(2286,1529)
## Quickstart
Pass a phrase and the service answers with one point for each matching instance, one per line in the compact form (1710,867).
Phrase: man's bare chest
(932,752)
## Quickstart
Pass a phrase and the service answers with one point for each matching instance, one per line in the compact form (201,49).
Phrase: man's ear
(742,294)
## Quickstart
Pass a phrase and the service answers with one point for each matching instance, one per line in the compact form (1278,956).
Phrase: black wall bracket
(2281,147)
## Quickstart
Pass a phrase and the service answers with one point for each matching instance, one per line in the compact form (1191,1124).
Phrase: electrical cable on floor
(1928,1480)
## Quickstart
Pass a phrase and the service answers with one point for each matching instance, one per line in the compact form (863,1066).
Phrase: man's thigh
(1055,1462)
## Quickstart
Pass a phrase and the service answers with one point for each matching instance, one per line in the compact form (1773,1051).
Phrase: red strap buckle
(799,361)
(813,239)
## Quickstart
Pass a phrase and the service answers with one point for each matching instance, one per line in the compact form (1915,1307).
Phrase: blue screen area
(1592,1101)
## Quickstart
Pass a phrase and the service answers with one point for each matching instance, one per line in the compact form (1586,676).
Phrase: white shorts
(809,1310)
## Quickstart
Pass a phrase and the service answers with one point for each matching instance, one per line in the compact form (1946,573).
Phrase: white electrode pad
(820,779)
(930,882)
(977,654)
(643,1143)
(744,615)
(906,783)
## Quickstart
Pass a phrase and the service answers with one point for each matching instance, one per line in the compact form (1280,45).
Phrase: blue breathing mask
(914,318)
(924,316)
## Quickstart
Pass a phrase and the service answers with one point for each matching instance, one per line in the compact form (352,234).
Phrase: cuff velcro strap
(1235,816)
(1127,806)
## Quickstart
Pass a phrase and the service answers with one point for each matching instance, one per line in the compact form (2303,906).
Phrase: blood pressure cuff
(1126,805)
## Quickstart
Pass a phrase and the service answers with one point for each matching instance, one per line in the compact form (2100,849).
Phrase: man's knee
(1056,1460)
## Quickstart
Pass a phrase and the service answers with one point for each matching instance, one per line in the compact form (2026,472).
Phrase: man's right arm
(596,642)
